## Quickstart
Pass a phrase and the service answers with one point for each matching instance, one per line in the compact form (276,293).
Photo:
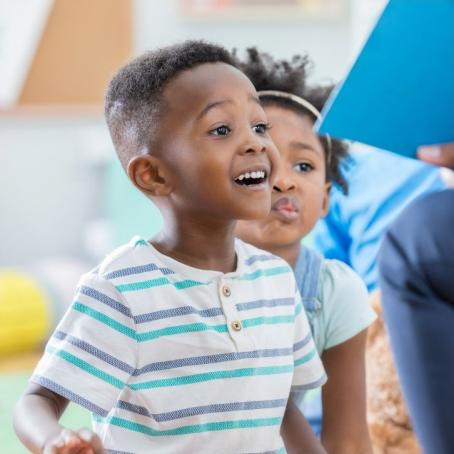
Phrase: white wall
(49,185)
(364,15)
(326,40)
(49,192)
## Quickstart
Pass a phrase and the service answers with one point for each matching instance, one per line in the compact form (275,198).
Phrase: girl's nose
(283,182)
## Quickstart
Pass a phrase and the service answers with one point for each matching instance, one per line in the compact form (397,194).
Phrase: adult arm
(344,427)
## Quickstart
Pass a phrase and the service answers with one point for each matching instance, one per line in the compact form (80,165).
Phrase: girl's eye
(261,128)
(303,167)
(220,130)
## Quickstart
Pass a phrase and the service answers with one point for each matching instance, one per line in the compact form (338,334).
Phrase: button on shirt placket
(233,319)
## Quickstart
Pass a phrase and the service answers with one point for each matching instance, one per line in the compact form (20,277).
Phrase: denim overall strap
(307,272)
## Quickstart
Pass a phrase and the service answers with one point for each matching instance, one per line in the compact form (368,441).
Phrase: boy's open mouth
(252,177)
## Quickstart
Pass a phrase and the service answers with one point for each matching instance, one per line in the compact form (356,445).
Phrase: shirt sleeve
(308,368)
(92,352)
(345,303)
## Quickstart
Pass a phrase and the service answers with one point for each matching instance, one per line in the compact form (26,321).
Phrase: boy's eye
(261,128)
(303,167)
(220,130)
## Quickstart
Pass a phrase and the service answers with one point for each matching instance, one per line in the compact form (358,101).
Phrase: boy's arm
(344,427)
(36,424)
(297,434)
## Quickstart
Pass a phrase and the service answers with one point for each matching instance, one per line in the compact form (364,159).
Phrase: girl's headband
(303,103)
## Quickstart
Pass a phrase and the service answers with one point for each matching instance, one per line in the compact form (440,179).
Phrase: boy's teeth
(256,174)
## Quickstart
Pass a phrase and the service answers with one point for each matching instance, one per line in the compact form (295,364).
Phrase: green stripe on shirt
(298,309)
(180,329)
(215,375)
(196,428)
(305,358)
(106,320)
(81,364)
(158,282)
(177,329)
(266,272)
(222,328)
(182,285)
(276,319)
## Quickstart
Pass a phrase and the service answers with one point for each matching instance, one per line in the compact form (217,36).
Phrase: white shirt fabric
(175,359)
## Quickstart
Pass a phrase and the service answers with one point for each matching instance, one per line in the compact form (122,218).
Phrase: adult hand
(67,441)
(440,155)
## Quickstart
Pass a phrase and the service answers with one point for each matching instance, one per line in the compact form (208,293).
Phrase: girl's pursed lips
(287,204)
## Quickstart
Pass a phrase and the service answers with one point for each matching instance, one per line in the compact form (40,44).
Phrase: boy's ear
(325,202)
(150,175)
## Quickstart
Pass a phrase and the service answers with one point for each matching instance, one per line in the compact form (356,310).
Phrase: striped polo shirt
(175,359)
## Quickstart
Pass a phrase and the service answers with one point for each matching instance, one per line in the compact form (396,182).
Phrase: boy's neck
(199,244)
(288,252)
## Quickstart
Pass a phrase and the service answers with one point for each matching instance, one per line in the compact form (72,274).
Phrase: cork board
(83,44)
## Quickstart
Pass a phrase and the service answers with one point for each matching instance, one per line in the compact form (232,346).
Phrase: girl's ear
(325,202)
(148,173)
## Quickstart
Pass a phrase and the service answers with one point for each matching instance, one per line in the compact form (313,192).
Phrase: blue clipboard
(399,92)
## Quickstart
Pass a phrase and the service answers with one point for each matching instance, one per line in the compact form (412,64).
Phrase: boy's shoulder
(126,257)
(254,259)
(137,254)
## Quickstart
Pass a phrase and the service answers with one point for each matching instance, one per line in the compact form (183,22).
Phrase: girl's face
(300,192)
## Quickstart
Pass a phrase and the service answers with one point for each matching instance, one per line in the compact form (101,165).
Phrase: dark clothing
(417,281)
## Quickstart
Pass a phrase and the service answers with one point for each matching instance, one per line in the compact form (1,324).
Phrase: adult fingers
(440,155)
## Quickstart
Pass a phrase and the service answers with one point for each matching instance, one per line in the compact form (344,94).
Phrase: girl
(334,297)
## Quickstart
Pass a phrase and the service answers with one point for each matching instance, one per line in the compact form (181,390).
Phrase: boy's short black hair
(134,95)
(266,73)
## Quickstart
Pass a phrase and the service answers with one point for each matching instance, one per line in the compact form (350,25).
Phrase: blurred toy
(33,301)
(25,313)
(389,422)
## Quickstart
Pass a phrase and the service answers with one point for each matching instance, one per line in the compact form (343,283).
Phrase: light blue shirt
(381,184)
(337,307)
(335,299)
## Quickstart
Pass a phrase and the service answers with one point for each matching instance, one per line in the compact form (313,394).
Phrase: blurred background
(64,200)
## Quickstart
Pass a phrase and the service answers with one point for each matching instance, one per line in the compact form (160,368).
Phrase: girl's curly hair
(290,76)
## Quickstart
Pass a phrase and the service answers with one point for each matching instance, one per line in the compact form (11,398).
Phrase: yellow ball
(25,317)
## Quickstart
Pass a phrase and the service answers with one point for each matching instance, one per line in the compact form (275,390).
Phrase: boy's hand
(67,441)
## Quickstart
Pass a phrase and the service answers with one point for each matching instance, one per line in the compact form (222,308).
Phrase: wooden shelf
(53,110)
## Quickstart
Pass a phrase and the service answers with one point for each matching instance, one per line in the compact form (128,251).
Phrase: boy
(191,342)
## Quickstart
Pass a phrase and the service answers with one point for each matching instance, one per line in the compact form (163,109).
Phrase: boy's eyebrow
(214,104)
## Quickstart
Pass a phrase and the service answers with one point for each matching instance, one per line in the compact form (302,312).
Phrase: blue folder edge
(399,92)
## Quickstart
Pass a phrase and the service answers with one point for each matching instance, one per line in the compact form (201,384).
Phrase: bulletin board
(262,9)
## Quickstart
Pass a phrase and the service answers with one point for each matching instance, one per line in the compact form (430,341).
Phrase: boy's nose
(253,143)
(254,147)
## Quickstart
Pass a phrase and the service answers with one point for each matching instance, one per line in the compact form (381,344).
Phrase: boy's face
(213,141)
(300,193)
